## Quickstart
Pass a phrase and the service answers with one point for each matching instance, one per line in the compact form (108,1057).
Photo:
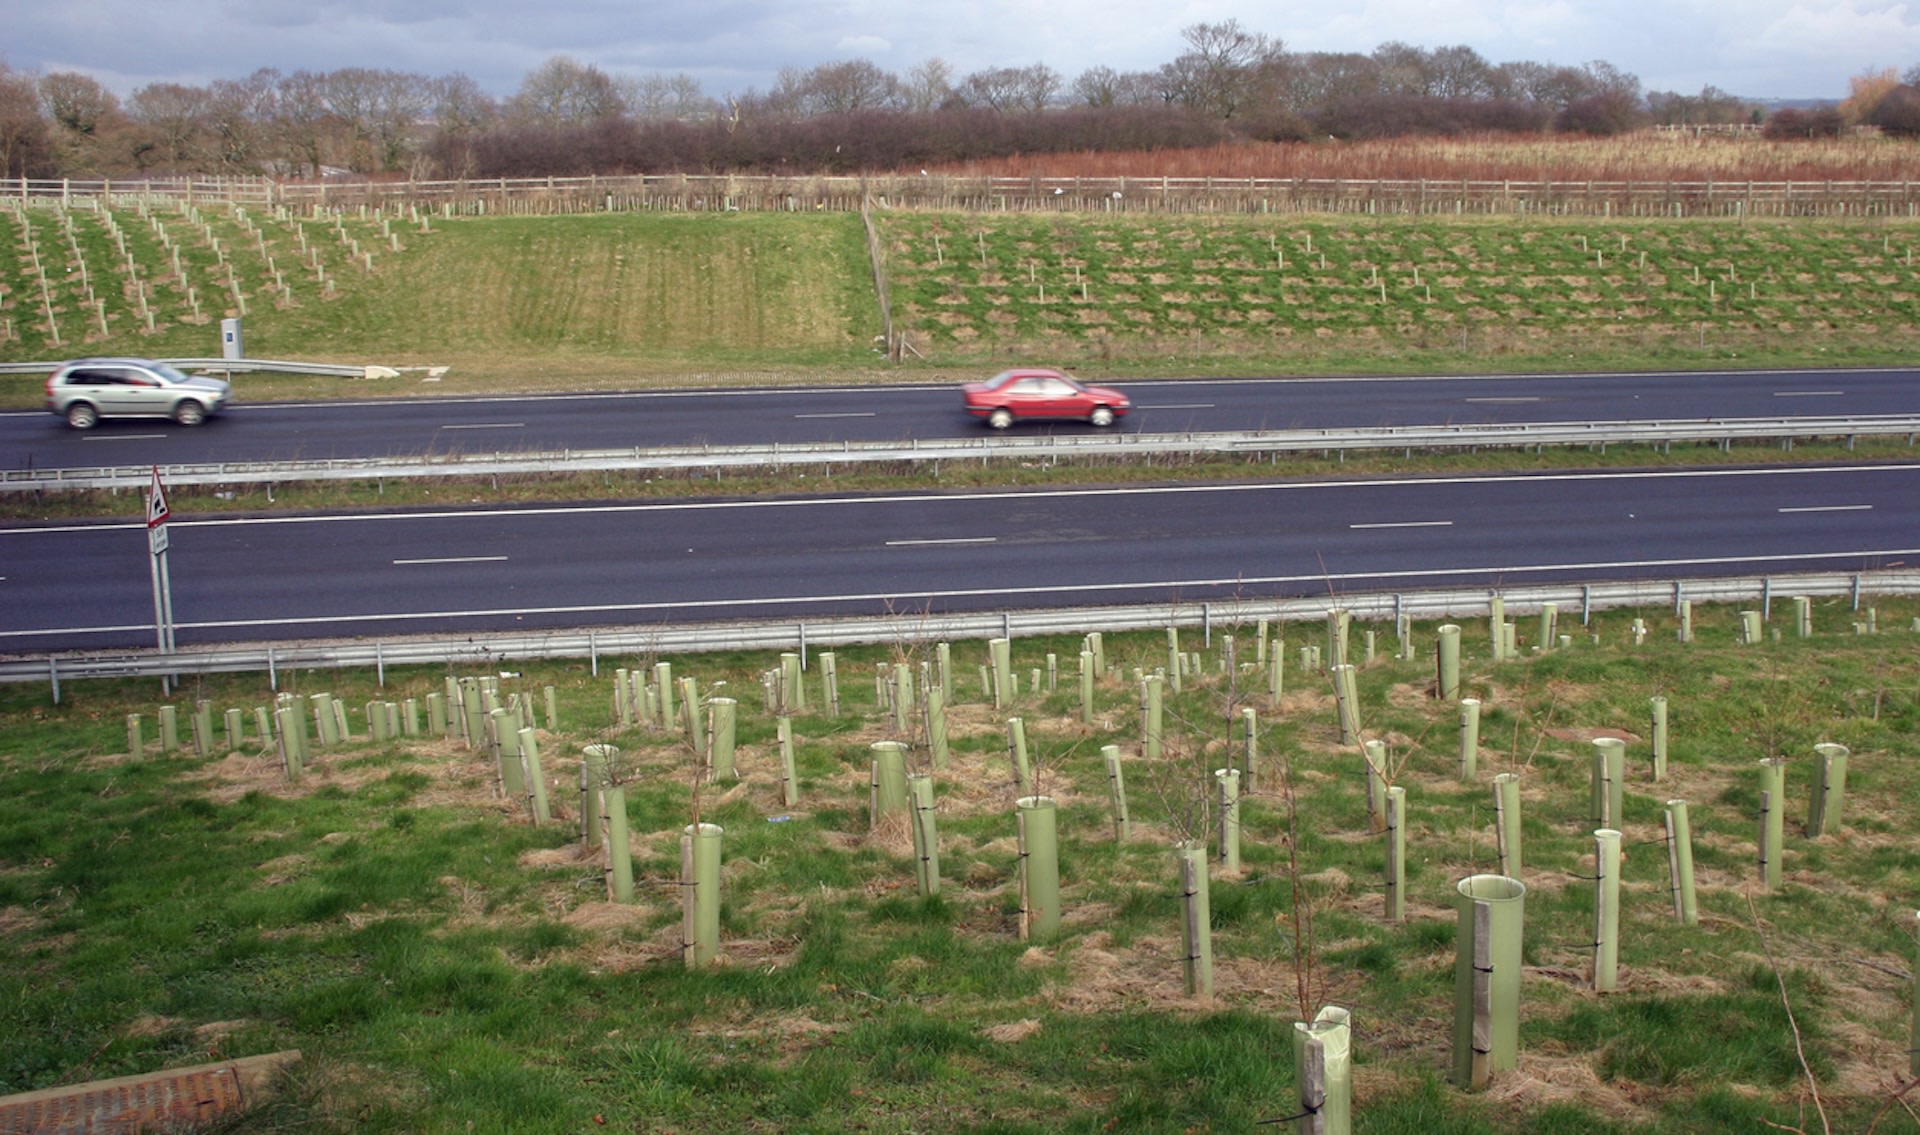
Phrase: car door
(138,392)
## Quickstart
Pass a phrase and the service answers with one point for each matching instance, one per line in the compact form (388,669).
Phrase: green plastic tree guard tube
(1017,756)
(1345,707)
(1448,663)
(1659,705)
(537,805)
(902,697)
(136,744)
(1277,672)
(1323,1069)
(1469,763)
(1250,746)
(1486,978)
(1226,784)
(169,729)
(1150,733)
(593,782)
(1000,650)
(829,683)
(943,655)
(1196,931)
(789,782)
(1686,620)
(1829,789)
(1773,776)
(613,818)
(1175,663)
(1680,863)
(663,684)
(410,718)
(203,727)
(376,723)
(926,836)
(889,788)
(623,697)
(700,888)
(692,720)
(290,743)
(1375,755)
(1549,623)
(474,713)
(1609,781)
(721,715)
(1396,854)
(1086,687)
(1496,627)
(936,710)
(1506,822)
(1035,818)
(553,709)
(263,724)
(1260,633)
(1750,627)
(340,730)
(1802,616)
(1339,623)
(791,685)
(1606,910)
(236,727)
(1117,792)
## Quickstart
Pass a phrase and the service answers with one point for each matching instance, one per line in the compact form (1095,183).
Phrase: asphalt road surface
(392,428)
(304,576)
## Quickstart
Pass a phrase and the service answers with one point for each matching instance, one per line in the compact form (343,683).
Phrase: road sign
(156,502)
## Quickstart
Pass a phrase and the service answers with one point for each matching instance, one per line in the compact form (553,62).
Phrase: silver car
(86,390)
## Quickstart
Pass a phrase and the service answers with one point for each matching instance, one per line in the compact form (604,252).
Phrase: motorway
(487,568)
(406,427)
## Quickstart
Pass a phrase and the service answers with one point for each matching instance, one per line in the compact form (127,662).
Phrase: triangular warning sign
(156,502)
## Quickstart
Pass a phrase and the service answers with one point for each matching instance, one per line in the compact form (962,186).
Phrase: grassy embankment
(446,967)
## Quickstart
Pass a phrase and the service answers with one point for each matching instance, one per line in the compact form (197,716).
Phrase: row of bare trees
(1228,82)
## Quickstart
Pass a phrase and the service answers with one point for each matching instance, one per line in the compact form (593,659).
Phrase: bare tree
(26,145)
(927,85)
(563,92)
(1218,72)
(302,121)
(664,98)
(175,121)
(240,116)
(1010,90)
(88,124)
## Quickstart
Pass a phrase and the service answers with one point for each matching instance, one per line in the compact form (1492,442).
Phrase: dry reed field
(1643,156)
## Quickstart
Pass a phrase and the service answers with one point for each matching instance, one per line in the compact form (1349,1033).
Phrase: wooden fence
(734,193)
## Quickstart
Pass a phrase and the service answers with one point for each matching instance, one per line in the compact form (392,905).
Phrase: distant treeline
(570,119)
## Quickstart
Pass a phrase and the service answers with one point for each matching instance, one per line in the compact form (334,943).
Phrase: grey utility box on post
(230,344)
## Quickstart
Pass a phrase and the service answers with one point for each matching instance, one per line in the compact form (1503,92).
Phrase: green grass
(445,966)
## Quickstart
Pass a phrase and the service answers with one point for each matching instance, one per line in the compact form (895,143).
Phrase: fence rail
(494,650)
(1047,447)
(758,193)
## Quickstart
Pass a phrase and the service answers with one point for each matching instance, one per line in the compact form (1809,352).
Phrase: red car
(1036,392)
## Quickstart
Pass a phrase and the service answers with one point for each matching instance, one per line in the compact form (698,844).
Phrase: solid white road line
(1830,508)
(954,540)
(486,426)
(121,437)
(1408,524)
(848,414)
(453,560)
(1808,393)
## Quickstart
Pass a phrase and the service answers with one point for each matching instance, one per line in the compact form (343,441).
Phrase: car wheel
(1000,419)
(1101,416)
(82,416)
(189,413)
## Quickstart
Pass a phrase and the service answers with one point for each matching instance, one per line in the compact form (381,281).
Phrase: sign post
(157,514)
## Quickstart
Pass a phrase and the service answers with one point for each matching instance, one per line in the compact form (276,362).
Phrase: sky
(1759,49)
